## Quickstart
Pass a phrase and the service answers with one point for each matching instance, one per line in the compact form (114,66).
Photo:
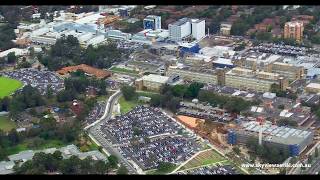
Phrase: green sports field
(8,86)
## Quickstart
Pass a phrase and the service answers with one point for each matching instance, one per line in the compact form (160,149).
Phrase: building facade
(191,75)
(248,79)
(225,29)
(198,28)
(288,70)
(294,30)
(187,27)
(180,29)
(152,22)
(291,140)
(151,82)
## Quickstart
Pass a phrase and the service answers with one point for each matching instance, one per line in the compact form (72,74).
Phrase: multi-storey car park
(293,140)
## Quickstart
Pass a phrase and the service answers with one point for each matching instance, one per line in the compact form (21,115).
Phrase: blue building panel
(149,24)
(194,49)
(294,150)
(218,65)
(232,138)
(123,12)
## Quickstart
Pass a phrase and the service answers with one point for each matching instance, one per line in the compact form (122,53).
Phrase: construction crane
(261,121)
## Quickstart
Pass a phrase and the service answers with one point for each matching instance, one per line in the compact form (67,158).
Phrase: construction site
(224,135)
(214,132)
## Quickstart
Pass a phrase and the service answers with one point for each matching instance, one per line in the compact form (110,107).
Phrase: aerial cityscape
(160,90)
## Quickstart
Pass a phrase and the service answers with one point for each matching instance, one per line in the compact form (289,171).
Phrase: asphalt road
(100,137)
(315,168)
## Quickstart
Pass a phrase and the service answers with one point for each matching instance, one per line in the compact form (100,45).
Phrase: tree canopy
(43,163)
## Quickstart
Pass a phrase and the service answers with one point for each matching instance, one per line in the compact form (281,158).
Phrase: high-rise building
(187,27)
(152,22)
(180,29)
(294,30)
(198,28)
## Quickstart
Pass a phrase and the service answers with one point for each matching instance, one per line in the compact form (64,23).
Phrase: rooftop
(277,134)
(88,69)
(181,22)
(155,78)
(313,85)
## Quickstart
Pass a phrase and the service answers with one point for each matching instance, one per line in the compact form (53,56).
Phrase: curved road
(96,134)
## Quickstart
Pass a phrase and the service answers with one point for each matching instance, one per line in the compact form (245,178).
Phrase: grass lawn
(8,86)
(204,158)
(126,106)
(158,172)
(6,124)
(103,98)
(122,70)
(24,146)
(91,146)
(146,93)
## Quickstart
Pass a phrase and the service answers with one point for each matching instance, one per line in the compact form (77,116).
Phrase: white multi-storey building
(186,27)
(180,29)
(198,28)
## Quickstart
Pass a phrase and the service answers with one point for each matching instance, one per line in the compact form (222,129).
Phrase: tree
(173,104)
(264,36)
(155,100)
(283,171)
(236,150)
(66,95)
(293,160)
(122,170)
(287,122)
(101,167)
(239,28)
(165,88)
(179,90)
(165,167)
(31,51)
(24,64)
(310,159)
(281,106)
(316,152)
(3,153)
(318,113)
(194,89)
(49,92)
(13,137)
(128,92)
(11,58)
(240,47)
(136,131)
(113,161)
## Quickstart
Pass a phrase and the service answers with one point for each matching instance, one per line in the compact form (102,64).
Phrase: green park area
(207,157)
(123,70)
(126,106)
(34,144)
(6,124)
(8,86)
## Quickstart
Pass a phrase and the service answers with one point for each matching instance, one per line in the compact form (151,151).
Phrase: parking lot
(96,113)
(280,49)
(148,137)
(140,122)
(38,79)
(147,155)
